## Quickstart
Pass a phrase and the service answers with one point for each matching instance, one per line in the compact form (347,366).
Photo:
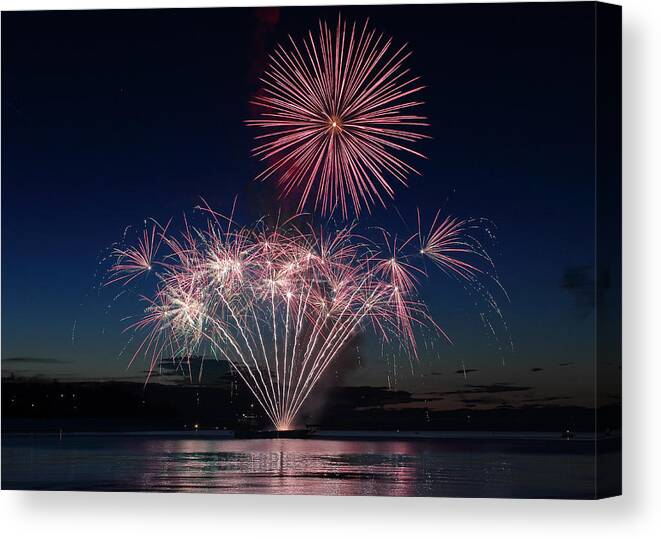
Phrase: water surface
(444,467)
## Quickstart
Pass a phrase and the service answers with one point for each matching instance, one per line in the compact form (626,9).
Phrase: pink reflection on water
(290,466)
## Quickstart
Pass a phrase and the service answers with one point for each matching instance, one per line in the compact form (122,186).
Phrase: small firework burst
(133,261)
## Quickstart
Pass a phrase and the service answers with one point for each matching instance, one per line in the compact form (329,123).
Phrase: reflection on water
(475,468)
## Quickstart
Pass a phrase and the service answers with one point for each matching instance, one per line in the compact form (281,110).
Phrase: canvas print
(347,250)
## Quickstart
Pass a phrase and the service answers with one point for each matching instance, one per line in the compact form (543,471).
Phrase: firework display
(313,250)
(338,115)
(280,303)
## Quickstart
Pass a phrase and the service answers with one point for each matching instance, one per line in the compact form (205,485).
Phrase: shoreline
(331,435)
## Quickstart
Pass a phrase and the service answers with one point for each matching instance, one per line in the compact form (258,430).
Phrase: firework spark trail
(133,261)
(453,246)
(280,303)
(335,111)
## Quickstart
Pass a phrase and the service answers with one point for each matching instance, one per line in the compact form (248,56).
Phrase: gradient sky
(110,117)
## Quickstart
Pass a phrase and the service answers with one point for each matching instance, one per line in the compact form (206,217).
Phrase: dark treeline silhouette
(37,404)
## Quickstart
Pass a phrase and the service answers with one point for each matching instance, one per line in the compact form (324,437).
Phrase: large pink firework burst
(338,114)
(280,303)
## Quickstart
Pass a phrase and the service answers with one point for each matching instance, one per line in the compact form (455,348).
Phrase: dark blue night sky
(112,117)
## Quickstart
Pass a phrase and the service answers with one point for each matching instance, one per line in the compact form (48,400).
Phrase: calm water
(477,468)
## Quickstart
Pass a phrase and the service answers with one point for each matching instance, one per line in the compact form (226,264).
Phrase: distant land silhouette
(38,404)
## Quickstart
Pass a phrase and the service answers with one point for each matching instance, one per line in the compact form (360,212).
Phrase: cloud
(196,368)
(545,399)
(498,388)
(579,282)
(37,360)
(479,400)
(489,388)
